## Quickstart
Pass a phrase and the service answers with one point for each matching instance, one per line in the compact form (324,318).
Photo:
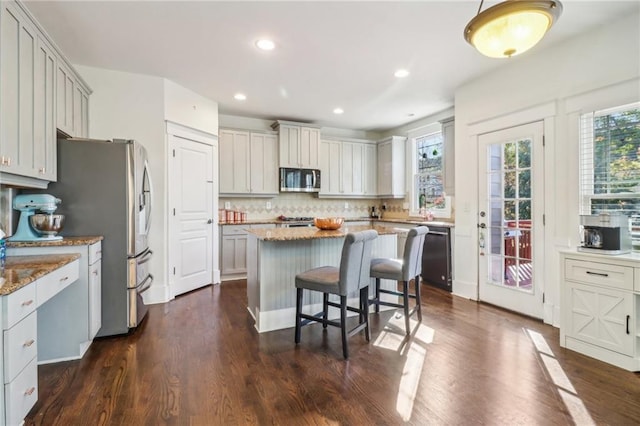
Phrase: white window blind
(610,161)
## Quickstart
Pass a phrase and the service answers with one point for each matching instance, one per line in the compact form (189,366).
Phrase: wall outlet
(227,205)
(268,205)
(346,206)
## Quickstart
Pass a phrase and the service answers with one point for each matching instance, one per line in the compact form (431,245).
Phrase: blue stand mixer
(28,205)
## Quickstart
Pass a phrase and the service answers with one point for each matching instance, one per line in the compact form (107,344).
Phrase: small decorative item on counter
(232,216)
(328,223)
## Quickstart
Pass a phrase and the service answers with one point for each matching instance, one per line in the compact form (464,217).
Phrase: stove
(296,219)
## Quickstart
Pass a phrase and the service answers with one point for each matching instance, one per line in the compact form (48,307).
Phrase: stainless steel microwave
(299,180)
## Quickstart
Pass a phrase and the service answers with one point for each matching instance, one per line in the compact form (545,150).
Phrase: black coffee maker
(605,233)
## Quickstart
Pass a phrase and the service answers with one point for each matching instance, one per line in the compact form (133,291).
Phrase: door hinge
(544,219)
(174,211)
(542,297)
(544,142)
(174,152)
(174,272)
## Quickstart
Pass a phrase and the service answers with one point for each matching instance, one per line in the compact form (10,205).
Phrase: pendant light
(511,27)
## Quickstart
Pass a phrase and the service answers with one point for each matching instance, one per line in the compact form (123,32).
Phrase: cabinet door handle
(27,302)
(628,318)
(598,274)
(41,170)
(29,391)
(95,272)
(63,279)
(28,343)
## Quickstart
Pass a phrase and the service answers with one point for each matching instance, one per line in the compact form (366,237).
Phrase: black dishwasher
(436,257)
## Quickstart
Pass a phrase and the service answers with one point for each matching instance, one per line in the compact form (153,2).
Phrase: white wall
(131,106)
(526,90)
(190,109)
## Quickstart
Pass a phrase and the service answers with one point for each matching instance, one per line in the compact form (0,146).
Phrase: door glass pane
(510,214)
(510,156)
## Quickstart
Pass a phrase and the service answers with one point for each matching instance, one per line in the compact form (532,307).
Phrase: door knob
(482,225)
(210,221)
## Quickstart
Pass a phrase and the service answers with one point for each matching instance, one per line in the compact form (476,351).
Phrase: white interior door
(511,232)
(191,179)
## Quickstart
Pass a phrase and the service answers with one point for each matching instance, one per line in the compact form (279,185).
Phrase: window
(428,190)
(610,161)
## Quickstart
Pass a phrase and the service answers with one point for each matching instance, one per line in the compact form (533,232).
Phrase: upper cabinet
(391,167)
(72,103)
(32,100)
(248,163)
(299,145)
(349,169)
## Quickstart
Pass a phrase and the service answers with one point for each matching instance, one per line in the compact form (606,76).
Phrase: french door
(510,226)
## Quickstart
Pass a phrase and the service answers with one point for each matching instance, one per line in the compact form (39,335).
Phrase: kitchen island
(275,256)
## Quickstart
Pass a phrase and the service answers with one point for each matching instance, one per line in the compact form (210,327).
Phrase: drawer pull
(28,343)
(63,279)
(27,302)
(29,391)
(99,252)
(628,318)
(95,272)
(598,274)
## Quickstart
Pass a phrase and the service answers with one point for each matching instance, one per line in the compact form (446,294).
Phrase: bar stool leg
(364,311)
(418,299)
(325,308)
(377,299)
(405,294)
(343,325)
(298,311)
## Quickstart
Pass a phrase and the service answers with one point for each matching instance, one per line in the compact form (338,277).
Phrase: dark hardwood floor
(198,361)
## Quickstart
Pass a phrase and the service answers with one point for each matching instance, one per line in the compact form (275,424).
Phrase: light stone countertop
(346,220)
(23,270)
(65,241)
(311,232)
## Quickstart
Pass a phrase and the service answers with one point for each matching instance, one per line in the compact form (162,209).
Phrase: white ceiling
(329,53)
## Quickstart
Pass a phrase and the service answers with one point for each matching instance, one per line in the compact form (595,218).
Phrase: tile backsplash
(293,205)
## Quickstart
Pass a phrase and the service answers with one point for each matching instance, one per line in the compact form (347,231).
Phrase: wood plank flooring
(198,361)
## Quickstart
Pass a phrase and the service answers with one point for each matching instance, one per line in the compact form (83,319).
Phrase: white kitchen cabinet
(19,352)
(299,146)
(233,250)
(248,163)
(448,137)
(26,71)
(601,307)
(82,322)
(30,96)
(72,100)
(349,169)
(391,171)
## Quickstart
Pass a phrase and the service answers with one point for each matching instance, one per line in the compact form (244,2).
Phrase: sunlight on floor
(567,392)
(393,338)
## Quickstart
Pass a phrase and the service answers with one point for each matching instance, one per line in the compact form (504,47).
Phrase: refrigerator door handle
(145,257)
(142,287)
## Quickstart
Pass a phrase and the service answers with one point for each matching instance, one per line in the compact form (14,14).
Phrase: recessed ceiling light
(401,73)
(338,111)
(265,44)
(240,97)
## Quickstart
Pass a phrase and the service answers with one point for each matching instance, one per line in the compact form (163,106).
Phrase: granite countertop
(311,232)
(346,219)
(65,241)
(23,270)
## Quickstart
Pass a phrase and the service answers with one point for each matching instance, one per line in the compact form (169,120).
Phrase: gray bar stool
(352,275)
(402,270)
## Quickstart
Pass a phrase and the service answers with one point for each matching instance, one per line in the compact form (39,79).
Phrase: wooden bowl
(328,223)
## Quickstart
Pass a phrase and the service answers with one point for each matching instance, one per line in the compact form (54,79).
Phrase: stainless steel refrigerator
(105,189)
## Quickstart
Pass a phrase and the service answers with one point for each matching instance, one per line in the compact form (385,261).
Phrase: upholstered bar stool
(351,275)
(402,270)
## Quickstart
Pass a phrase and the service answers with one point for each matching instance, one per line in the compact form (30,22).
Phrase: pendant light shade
(511,27)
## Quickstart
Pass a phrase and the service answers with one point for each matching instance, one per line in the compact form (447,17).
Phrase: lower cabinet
(233,250)
(82,322)
(601,307)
